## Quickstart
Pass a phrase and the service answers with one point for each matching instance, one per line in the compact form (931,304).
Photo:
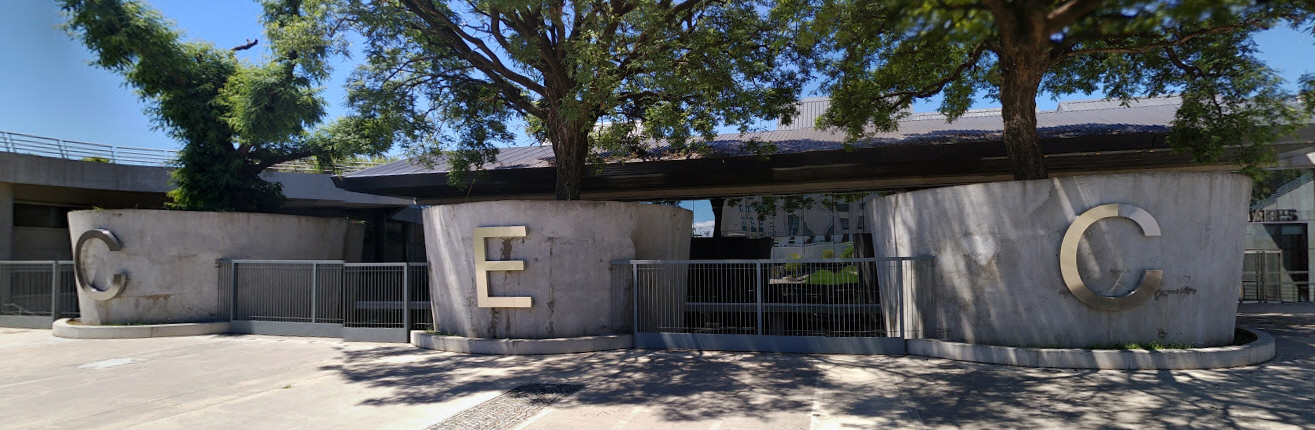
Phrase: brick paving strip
(509,409)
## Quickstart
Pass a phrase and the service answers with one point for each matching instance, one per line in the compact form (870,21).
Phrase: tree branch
(1161,44)
(485,60)
(292,156)
(250,43)
(1069,12)
(936,88)
(1196,72)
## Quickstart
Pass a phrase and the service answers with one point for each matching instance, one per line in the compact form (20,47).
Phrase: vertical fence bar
(5,294)
(54,291)
(758,275)
(233,291)
(899,279)
(634,289)
(406,299)
(314,291)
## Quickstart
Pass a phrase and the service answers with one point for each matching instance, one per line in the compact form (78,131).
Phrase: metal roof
(1070,119)
(1080,137)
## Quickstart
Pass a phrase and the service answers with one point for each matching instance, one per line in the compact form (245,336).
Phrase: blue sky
(49,89)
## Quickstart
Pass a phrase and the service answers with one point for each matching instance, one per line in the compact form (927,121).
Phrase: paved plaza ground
(266,382)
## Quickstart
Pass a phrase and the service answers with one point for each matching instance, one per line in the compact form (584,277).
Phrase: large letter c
(119,280)
(1068,257)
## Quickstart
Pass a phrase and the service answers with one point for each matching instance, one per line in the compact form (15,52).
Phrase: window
(26,215)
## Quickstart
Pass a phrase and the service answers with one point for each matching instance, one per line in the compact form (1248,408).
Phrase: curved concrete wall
(568,249)
(997,274)
(170,258)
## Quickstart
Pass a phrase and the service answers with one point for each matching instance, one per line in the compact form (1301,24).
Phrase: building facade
(807,226)
(1278,249)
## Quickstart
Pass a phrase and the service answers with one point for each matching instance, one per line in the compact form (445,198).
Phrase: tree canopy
(234,118)
(447,77)
(880,57)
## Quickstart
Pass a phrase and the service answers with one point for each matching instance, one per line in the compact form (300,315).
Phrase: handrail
(1304,179)
(20,143)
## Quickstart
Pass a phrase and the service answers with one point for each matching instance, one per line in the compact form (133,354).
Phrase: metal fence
(74,150)
(85,151)
(832,305)
(356,301)
(35,293)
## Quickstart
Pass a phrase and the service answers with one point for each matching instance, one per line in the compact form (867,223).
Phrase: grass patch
(1243,337)
(848,275)
(1149,346)
(438,332)
(75,321)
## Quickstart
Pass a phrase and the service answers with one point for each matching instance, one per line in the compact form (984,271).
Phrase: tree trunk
(570,145)
(1018,106)
(717,204)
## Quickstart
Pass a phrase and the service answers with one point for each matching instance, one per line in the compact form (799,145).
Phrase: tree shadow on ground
(897,391)
(941,392)
(685,385)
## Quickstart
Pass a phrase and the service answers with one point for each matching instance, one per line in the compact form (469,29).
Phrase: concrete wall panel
(170,258)
(567,250)
(998,279)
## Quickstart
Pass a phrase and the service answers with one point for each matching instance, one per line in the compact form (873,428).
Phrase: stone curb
(1258,351)
(520,346)
(62,328)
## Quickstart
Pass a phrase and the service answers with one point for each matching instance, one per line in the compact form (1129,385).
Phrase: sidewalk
(257,382)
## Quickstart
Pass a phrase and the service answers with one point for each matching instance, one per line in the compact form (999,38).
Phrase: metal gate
(806,306)
(1266,279)
(33,294)
(368,302)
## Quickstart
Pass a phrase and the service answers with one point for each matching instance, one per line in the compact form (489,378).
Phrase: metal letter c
(1068,257)
(119,280)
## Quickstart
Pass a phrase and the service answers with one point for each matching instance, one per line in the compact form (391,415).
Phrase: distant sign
(1274,215)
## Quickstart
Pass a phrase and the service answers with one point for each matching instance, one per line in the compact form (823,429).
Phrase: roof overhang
(859,169)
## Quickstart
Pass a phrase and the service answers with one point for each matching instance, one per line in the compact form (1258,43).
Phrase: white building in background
(828,223)
(1279,244)
(703,229)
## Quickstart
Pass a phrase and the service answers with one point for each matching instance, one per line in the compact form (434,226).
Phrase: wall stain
(552,292)
(506,248)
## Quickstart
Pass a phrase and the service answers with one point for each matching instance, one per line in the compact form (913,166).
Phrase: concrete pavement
(255,382)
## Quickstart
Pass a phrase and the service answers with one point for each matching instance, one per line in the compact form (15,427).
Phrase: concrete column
(6,221)
(717,205)
(406,241)
(380,236)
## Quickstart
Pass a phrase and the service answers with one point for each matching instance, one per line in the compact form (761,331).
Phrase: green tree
(234,118)
(879,57)
(590,77)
